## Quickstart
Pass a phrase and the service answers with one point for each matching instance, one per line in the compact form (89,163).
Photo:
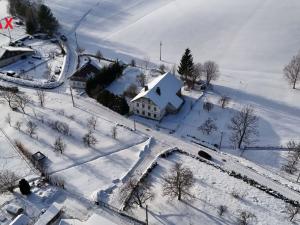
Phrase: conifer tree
(186,66)
(47,21)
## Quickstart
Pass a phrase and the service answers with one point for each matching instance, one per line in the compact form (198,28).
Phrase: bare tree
(222,209)
(146,62)
(141,79)
(22,101)
(196,74)
(292,211)
(114,132)
(246,218)
(131,91)
(99,55)
(92,123)
(31,128)
(136,193)
(208,127)
(244,126)
(59,145)
(9,97)
(41,96)
(211,71)
(208,106)
(8,180)
(224,101)
(292,71)
(89,139)
(18,125)
(162,68)
(178,183)
(8,119)
(292,157)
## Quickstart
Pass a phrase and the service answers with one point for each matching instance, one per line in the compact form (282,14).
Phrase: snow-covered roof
(14,49)
(95,219)
(51,212)
(83,73)
(20,220)
(168,86)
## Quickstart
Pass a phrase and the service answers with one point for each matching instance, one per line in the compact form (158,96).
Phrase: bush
(114,102)
(105,77)
(205,155)
(24,187)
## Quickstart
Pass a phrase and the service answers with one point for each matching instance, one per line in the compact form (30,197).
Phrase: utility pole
(147,214)
(221,140)
(160,47)
(72,96)
(134,126)
(10,40)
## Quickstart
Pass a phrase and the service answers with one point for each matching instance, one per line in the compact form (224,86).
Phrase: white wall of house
(146,108)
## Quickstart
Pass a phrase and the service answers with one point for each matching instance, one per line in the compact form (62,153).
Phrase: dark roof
(38,156)
(85,72)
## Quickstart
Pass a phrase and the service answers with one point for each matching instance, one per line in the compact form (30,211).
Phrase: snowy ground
(212,189)
(109,160)
(251,40)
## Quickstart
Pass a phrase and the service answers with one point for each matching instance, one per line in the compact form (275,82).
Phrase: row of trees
(38,17)
(105,77)
(190,73)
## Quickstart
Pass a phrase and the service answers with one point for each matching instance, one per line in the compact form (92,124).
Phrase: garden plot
(212,188)
(76,152)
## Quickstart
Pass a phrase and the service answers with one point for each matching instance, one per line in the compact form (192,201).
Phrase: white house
(10,54)
(159,97)
(80,77)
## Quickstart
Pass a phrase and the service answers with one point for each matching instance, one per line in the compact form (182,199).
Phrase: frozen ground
(212,189)
(98,166)
(251,40)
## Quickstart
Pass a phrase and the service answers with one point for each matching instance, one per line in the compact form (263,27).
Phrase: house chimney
(146,87)
(158,91)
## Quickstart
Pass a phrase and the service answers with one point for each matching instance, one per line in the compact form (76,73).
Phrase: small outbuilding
(9,55)
(80,77)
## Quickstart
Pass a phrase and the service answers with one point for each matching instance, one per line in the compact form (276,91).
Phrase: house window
(149,107)
(154,108)
(137,104)
(138,111)
(143,105)
(149,114)
(143,112)
(154,115)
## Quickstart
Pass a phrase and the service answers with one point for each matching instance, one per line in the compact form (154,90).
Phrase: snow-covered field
(251,40)
(212,189)
(98,166)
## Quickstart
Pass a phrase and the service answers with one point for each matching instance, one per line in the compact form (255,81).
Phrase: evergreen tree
(24,187)
(48,23)
(186,66)
(31,24)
